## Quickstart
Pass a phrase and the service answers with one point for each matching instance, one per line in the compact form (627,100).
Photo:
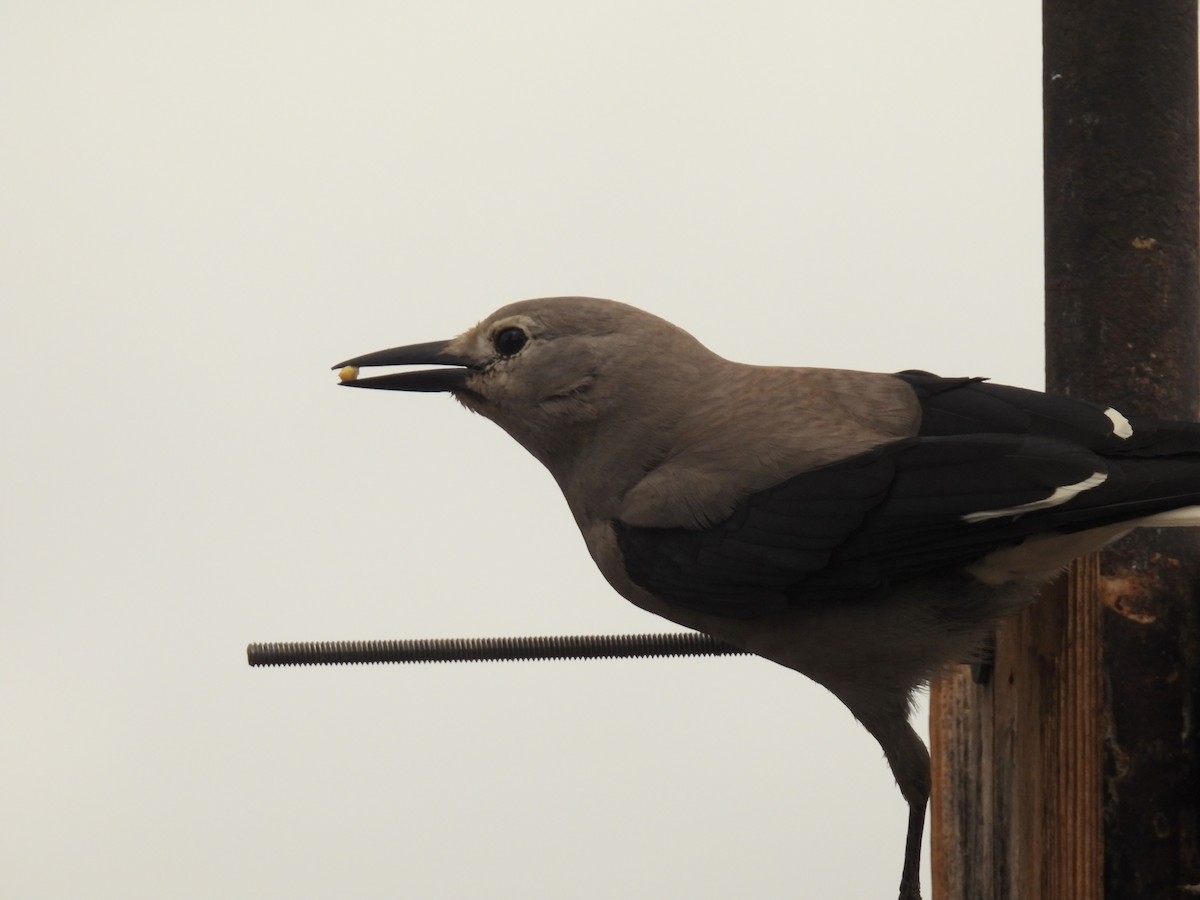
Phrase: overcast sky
(205,205)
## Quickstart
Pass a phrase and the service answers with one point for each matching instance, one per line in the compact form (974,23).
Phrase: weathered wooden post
(1073,773)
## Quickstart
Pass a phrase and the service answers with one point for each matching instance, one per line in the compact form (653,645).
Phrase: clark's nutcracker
(864,529)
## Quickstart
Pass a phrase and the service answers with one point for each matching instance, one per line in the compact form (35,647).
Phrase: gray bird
(866,530)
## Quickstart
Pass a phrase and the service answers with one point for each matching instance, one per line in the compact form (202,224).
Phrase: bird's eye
(509,341)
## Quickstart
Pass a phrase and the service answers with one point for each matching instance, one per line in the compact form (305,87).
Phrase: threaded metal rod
(604,646)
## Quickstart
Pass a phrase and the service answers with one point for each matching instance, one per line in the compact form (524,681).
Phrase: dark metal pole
(1073,773)
(1123,326)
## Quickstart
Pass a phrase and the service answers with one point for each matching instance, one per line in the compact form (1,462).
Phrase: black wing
(961,406)
(923,506)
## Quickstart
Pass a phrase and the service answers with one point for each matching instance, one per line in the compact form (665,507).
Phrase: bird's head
(551,371)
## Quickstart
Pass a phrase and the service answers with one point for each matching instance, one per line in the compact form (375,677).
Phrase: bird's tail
(1187,516)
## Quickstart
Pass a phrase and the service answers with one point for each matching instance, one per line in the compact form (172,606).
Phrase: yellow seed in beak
(348,373)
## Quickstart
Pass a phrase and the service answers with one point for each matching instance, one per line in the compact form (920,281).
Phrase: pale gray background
(204,205)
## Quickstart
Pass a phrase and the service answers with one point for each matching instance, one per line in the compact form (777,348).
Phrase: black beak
(433,353)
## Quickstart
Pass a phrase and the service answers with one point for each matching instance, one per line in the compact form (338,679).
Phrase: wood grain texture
(1016,808)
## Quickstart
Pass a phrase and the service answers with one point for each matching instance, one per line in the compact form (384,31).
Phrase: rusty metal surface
(1120,193)
(1073,773)
(1149,587)
(1123,328)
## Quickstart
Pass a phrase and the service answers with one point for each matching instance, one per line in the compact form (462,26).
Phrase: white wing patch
(1121,426)
(1060,495)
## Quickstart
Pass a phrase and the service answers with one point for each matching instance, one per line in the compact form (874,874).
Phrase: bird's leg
(910,877)
(909,759)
